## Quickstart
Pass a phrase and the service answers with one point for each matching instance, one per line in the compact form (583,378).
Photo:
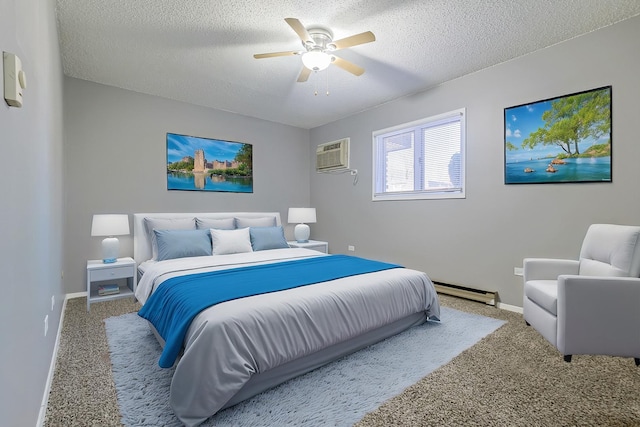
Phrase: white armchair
(590,305)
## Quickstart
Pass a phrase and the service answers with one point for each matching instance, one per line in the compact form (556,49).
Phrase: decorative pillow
(230,241)
(219,223)
(182,243)
(265,221)
(263,238)
(165,224)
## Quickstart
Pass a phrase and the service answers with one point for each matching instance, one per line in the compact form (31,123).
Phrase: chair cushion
(544,293)
(591,267)
(613,244)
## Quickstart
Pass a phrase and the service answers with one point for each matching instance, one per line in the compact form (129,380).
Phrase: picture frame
(566,139)
(205,164)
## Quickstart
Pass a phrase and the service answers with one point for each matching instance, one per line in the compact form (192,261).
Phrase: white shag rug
(337,394)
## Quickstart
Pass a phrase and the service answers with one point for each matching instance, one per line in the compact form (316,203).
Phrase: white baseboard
(509,307)
(54,358)
(76,295)
(52,368)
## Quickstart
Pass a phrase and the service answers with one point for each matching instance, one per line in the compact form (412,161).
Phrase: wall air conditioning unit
(333,156)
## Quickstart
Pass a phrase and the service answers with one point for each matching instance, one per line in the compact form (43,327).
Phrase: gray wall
(478,241)
(31,210)
(115,157)
(114,154)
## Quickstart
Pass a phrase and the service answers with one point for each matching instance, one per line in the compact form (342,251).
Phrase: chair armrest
(599,315)
(548,268)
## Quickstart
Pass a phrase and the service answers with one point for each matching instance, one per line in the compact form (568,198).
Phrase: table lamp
(302,217)
(110,225)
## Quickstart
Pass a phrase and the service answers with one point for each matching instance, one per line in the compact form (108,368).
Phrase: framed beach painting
(203,164)
(566,139)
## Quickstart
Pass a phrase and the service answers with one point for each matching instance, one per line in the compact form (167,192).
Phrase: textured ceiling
(201,51)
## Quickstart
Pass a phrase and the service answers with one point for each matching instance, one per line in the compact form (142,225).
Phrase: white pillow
(263,221)
(230,241)
(219,223)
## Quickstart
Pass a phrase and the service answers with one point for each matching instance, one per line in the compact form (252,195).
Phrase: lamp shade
(302,215)
(110,225)
(316,60)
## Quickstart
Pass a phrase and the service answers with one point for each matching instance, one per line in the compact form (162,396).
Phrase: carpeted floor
(512,377)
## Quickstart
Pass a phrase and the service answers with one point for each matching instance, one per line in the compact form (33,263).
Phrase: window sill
(417,196)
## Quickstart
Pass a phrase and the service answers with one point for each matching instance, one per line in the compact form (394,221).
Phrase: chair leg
(567,358)
(637,360)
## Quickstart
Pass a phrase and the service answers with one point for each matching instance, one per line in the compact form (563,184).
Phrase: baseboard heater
(486,297)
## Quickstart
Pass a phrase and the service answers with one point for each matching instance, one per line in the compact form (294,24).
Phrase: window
(420,160)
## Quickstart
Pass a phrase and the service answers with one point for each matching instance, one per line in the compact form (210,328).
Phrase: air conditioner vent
(333,155)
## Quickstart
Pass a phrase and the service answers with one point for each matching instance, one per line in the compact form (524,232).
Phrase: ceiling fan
(318,50)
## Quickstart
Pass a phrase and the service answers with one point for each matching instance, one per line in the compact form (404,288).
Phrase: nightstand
(99,273)
(316,245)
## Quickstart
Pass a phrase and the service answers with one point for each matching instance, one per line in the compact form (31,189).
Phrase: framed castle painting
(559,140)
(203,164)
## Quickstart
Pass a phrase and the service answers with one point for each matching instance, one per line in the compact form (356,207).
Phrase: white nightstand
(316,245)
(99,273)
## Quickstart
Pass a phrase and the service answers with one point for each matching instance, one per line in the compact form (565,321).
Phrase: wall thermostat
(14,79)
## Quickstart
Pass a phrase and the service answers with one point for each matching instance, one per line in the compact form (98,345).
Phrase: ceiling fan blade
(348,66)
(274,54)
(300,30)
(304,75)
(354,40)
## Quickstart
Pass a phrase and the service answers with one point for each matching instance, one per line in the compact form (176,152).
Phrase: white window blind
(399,157)
(423,159)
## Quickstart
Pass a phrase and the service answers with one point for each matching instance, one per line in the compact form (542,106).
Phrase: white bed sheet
(159,271)
(230,342)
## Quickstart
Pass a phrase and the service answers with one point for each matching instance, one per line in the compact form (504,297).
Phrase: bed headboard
(142,245)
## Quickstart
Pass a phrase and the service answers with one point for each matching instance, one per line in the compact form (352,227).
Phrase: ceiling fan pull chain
(315,83)
(327,71)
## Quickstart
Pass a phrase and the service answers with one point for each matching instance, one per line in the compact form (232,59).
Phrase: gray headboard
(142,245)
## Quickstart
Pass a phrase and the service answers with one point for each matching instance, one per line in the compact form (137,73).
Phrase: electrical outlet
(517,271)
(46,324)
(351,248)
(53,301)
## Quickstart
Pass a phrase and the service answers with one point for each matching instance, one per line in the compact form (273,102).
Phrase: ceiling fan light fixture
(316,60)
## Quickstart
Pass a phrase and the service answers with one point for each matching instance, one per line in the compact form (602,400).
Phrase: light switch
(14,79)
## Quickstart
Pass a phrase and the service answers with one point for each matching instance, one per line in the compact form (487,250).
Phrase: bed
(245,344)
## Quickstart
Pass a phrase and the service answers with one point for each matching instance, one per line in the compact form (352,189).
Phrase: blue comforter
(175,303)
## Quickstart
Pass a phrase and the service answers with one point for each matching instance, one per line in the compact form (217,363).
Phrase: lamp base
(301,233)
(110,249)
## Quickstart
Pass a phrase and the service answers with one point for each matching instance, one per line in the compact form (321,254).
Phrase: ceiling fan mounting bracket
(322,39)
